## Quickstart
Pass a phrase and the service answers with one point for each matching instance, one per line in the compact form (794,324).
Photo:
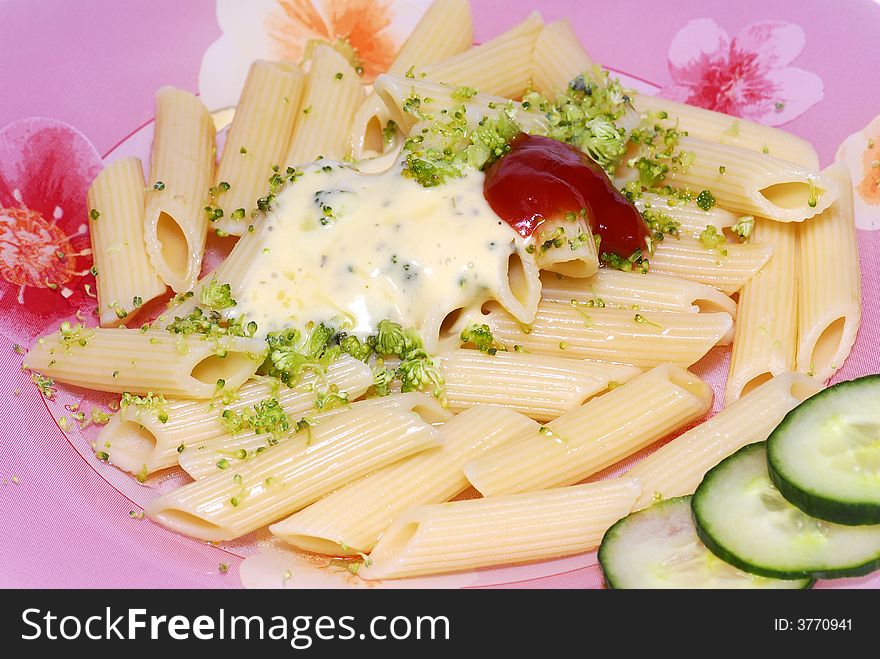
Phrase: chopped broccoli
(290,356)
(705,200)
(481,337)
(744,226)
(217,296)
(265,417)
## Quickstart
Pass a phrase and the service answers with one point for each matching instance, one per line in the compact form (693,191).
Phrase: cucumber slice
(741,516)
(658,547)
(825,455)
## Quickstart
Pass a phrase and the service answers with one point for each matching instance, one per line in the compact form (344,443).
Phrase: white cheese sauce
(351,249)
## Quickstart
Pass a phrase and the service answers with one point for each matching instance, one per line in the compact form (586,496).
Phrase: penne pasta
(648,291)
(717,127)
(333,92)
(678,467)
(559,58)
(539,386)
(288,477)
(829,311)
(147,440)
(754,183)
(691,218)
(181,171)
(566,246)
(727,267)
(465,535)
(127,360)
(614,335)
(501,66)
(202,458)
(257,141)
(352,519)
(444,30)
(764,344)
(601,432)
(126,279)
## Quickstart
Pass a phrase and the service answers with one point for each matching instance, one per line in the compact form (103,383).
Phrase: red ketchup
(541,178)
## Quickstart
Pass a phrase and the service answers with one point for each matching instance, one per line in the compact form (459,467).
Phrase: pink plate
(78,86)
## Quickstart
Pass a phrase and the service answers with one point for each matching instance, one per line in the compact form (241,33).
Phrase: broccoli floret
(265,417)
(705,200)
(290,357)
(418,372)
(481,337)
(393,339)
(351,345)
(217,296)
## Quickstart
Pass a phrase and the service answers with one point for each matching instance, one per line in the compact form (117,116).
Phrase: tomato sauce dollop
(541,178)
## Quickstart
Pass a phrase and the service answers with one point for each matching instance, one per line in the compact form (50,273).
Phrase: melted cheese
(351,249)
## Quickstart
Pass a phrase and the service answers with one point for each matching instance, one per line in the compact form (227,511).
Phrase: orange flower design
(355,27)
(869,188)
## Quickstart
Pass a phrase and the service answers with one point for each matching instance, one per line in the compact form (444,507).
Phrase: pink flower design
(746,77)
(46,167)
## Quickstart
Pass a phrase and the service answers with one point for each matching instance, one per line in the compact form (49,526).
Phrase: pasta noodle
(559,57)
(257,141)
(181,171)
(596,435)
(647,291)
(352,520)
(678,467)
(539,386)
(764,344)
(501,66)
(124,360)
(333,92)
(742,133)
(202,458)
(754,183)
(517,528)
(148,440)
(615,335)
(727,267)
(289,477)
(829,310)
(125,277)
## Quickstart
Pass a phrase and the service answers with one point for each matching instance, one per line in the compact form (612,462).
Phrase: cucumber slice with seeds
(741,516)
(825,455)
(658,547)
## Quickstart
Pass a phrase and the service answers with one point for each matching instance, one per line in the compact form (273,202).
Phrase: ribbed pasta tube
(181,172)
(518,528)
(257,141)
(727,267)
(691,218)
(289,477)
(829,310)
(764,344)
(332,94)
(754,183)
(445,29)
(139,362)
(678,467)
(126,279)
(352,519)
(742,133)
(501,66)
(559,58)
(148,440)
(202,458)
(614,335)
(539,386)
(566,246)
(601,432)
(648,291)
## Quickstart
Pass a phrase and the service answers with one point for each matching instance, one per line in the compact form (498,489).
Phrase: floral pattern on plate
(46,167)
(369,31)
(747,76)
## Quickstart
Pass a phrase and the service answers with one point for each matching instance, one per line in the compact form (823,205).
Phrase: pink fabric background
(95,64)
